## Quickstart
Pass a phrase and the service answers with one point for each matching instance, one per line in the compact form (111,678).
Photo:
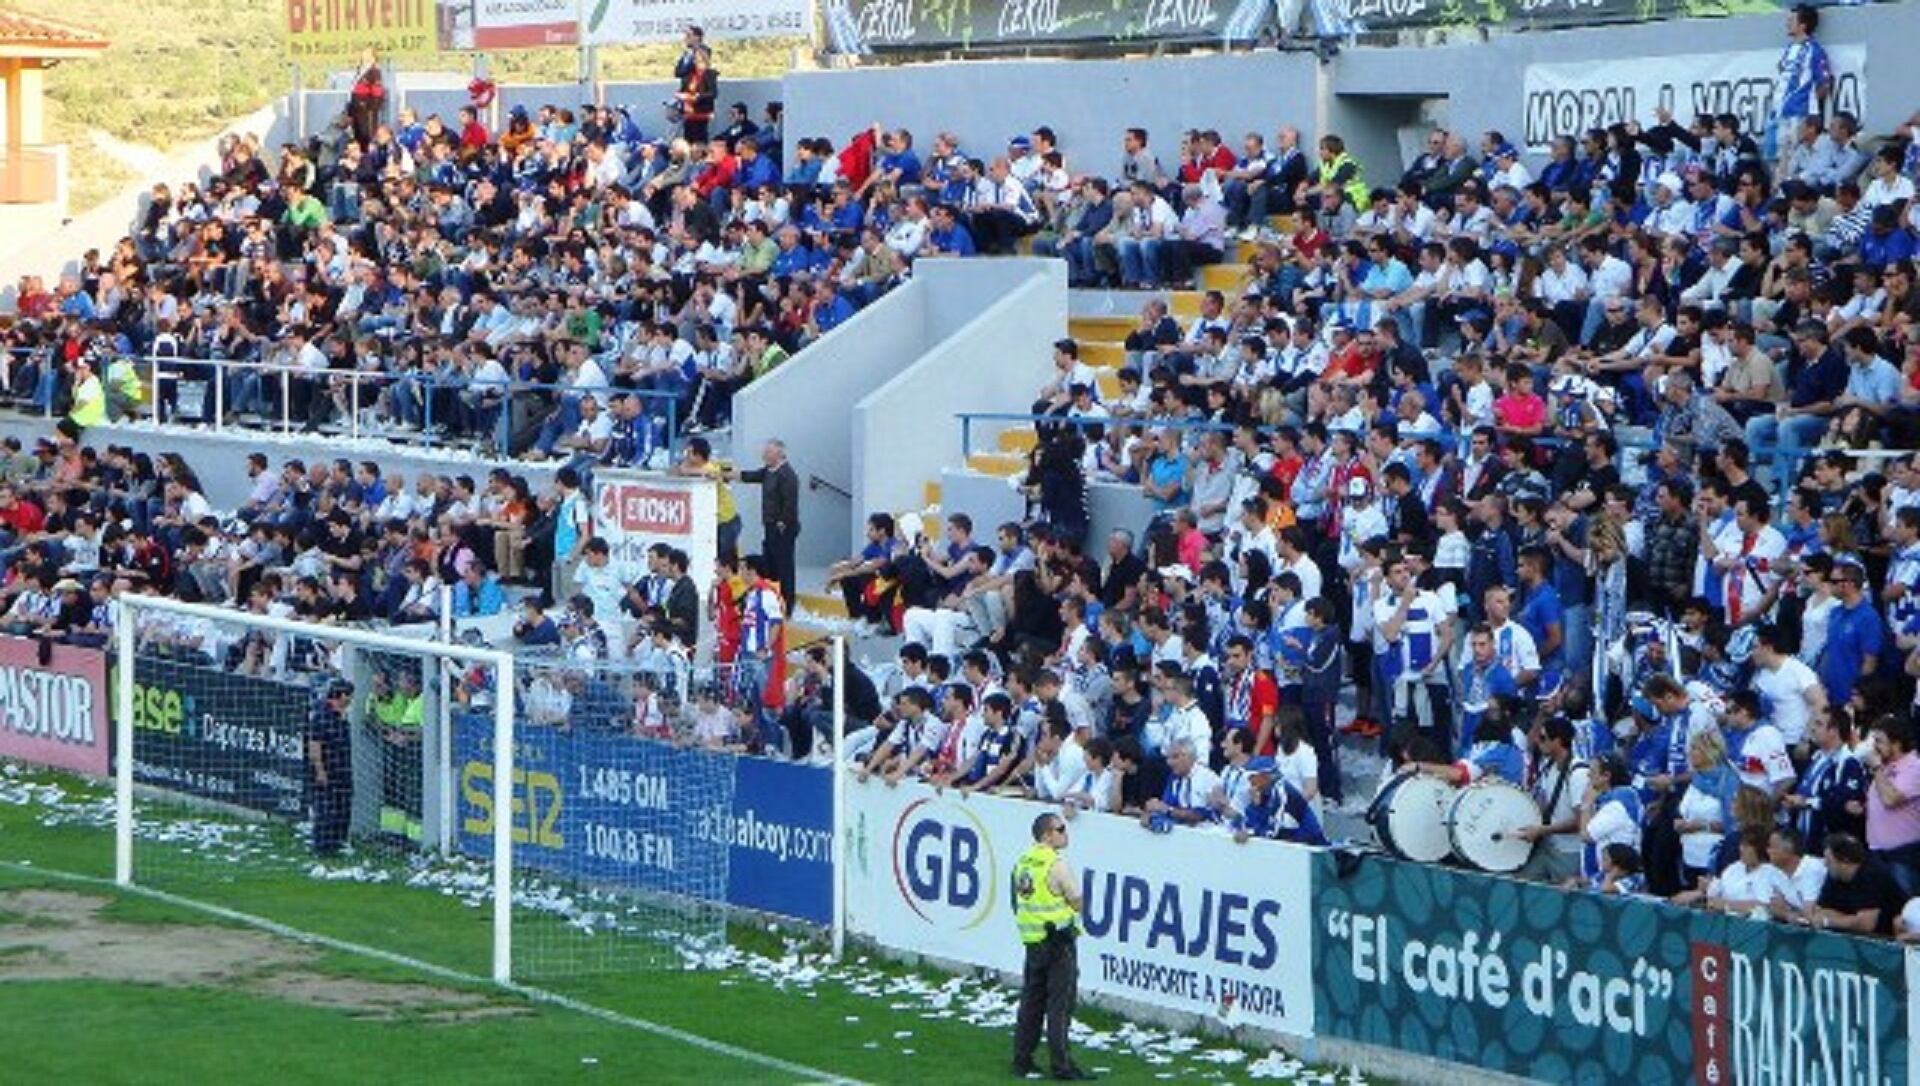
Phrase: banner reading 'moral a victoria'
(1187,921)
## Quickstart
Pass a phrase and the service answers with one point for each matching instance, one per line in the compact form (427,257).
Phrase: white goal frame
(125,632)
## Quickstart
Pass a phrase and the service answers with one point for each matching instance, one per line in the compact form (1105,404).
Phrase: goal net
(416,796)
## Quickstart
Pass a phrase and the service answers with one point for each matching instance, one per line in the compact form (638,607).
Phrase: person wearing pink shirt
(1893,803)
(1520,410)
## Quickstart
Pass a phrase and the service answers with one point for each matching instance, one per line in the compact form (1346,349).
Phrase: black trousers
(777,549)
(1047,990)
(332,813)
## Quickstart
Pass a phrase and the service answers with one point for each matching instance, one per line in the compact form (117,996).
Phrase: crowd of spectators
(1585,480)
(1589,482)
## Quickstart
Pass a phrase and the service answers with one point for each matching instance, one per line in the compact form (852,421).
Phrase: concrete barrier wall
(808,403)
(905,431)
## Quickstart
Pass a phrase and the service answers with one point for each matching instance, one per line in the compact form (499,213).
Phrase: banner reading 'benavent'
(1568,99)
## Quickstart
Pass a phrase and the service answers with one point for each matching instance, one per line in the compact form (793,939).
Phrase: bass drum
(1480,823)
(1409,818)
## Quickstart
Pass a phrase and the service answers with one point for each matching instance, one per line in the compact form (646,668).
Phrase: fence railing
(237,395)
(1784,458)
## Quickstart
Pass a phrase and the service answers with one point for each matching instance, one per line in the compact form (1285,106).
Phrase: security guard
(330,768)
(1046,906)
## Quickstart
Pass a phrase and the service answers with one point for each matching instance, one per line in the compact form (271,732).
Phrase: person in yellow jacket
(1338,169)
(89,396)
(1046,909)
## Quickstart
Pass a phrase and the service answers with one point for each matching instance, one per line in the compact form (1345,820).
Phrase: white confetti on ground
(800,966)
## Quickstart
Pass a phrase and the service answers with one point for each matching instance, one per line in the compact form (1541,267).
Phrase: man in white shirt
(1793,694)
(1059,761)
(1745,559)
(1755,748)
(1189,783)
(1185,721)
(1560,782)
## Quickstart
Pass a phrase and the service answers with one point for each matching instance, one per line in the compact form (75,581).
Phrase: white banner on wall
(632,511)
(1568,99)
(612,22)
(508,24)
(1187,921)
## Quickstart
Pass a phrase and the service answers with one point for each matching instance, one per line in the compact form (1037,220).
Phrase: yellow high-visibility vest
(1035,903)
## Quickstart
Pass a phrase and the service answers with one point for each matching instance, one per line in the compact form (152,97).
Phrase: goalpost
(391,790)
(135,609)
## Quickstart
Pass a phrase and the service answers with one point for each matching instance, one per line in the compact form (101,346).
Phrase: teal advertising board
(1577,988)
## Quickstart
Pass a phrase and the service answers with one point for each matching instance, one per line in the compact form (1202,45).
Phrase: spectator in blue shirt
(1540,610)
(535,628)
(1855,635)
(1816,377)
(1277,809)
(830,310)
(949,236)
(899,164)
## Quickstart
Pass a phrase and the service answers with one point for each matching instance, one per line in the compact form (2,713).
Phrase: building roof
(28,35)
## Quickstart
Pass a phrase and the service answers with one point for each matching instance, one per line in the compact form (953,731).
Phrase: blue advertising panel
(619,811)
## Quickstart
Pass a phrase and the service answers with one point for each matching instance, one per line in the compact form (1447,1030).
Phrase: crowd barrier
(576,793)
(1430,961)
(1281,940)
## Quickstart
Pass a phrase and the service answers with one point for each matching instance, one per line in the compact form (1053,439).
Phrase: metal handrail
(175,368)
(1445,436)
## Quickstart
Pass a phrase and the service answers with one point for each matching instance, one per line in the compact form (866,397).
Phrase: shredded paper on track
(801,967)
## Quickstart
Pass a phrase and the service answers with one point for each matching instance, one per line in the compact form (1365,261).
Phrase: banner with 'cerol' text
(865,26)
(1569,99)
(1187,921)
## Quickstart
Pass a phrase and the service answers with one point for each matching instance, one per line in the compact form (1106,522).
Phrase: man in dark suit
(779,513)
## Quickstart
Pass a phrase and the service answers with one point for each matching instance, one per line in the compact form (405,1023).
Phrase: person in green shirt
(757,252)
(398,709)
(766,353)
(89,396)
(305,212)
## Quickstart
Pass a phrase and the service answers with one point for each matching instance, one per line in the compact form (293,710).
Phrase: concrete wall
(1480,81)
(644,100)
(808,403)
(905,431)
(988,500)
(1087,103)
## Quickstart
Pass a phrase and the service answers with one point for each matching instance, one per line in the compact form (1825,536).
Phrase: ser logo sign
(943,864)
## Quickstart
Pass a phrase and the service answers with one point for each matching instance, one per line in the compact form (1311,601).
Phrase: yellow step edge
(1103,354)
(1109,384)
(1018,441)
(1185,303)
(1228,277)
(824,604)
(930,493)
(997,463)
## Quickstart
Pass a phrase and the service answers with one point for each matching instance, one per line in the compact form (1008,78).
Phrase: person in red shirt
(473,134)
(1287,460)
(1252,697)
(721,170)
(1520,410)
(19,514)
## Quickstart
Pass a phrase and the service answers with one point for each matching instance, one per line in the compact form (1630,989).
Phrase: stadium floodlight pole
(123,642)
(838,855)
